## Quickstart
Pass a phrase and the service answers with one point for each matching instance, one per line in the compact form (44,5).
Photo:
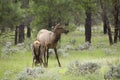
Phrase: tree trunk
(88,26)
(104,17)
(107,28)
(21,33)
(67,23)
(116,24)
(15,1)
(2,29)
(119,30)
(104,23)
(28,32)
(119,33)
(119,22)
(16,35)
(109,32)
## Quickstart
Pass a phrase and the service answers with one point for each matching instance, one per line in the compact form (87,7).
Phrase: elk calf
(37,55)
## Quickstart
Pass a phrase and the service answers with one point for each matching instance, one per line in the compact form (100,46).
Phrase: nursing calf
(37,54)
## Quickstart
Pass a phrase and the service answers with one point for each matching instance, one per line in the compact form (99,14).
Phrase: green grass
(15,63)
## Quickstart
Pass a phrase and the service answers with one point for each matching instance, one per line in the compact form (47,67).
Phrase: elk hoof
(60,65)
(45,65)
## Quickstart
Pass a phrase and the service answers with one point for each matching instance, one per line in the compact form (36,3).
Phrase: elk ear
(57,25)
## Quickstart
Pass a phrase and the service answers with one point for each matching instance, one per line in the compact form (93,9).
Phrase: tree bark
(119,33)
(104,17)
(28,32)
(116,24)
(16,35)
(119,30)
(21,33)
(2,29)
(107,28)
(109,32)
(106,25)
(88,26)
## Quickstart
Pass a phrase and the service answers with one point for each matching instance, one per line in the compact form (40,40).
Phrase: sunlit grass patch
(15,63)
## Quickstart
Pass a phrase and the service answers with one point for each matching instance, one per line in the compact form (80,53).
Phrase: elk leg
(36,62)
(57,57)
(40,60)
(45,59)
(33,62)
(47,56)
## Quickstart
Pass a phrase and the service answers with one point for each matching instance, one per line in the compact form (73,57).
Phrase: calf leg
(41,60)
(33,61)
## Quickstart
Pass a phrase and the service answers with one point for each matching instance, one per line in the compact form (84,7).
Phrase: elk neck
(57,37)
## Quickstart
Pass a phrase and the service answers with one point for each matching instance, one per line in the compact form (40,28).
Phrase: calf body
(37,55)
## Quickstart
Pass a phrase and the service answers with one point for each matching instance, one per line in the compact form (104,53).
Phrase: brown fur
(49,39)
(37,56)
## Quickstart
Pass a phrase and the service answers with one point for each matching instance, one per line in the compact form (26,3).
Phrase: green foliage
(52,11)
(71,27)
(10,14)
(45,13)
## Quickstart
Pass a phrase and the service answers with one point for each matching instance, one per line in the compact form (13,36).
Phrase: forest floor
(79,60)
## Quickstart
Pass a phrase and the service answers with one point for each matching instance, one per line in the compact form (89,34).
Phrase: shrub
(113,73)
(86,46)
(8,49)
(71,27)
(76,68)
(61,52)
(37,73)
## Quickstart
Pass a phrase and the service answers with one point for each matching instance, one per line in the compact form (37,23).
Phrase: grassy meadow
(17,65)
